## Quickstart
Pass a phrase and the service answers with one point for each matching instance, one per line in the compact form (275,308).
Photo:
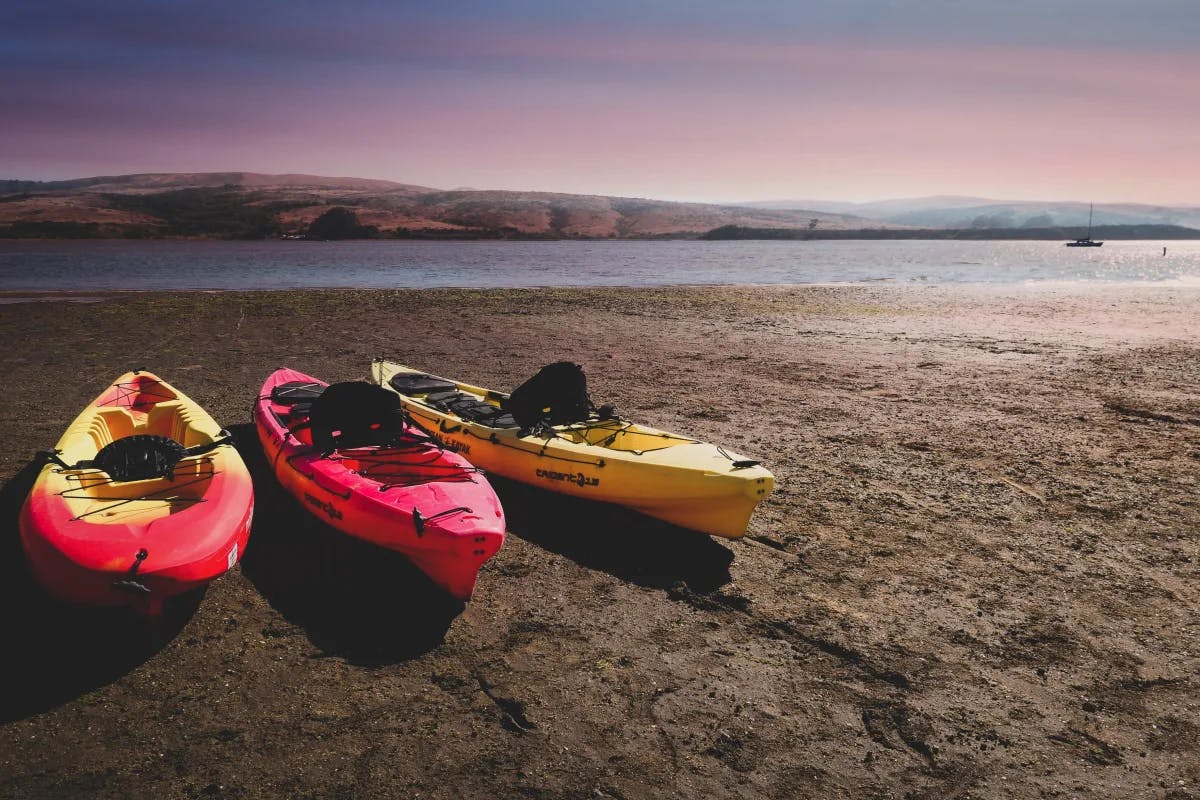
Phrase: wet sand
(978,576)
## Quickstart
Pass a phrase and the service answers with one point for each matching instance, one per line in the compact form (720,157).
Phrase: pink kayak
(346,453)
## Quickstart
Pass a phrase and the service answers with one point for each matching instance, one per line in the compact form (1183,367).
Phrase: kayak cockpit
(109,497)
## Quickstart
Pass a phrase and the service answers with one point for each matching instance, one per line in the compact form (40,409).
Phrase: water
(100,265)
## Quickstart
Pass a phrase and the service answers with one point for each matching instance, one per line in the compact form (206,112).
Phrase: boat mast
(1091,208)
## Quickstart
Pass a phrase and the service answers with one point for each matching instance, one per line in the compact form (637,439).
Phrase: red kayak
(144,498)
(346,452)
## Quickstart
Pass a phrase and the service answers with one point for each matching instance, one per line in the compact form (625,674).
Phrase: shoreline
(1028,287)
(1108,233)
(977,574)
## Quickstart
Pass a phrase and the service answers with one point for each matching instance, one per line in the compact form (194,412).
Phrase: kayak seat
(354,414)
(140,457)
(472,409)
(557,394)
(411,383)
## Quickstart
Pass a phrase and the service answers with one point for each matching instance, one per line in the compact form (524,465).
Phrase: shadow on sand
(353,599)
(623,543)
(55,651)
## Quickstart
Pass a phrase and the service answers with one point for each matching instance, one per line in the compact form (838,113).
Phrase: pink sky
(707,113)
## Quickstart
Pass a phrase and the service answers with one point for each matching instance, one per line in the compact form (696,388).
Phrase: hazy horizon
(858,101)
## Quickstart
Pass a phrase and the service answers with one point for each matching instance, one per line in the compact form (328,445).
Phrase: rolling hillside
(251,205)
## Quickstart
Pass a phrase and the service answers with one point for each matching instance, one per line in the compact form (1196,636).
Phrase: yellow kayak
(675,478)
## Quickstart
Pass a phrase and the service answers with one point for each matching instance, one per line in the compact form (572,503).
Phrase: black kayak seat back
(354,414)
(294,392)
(413,383)
(556,394)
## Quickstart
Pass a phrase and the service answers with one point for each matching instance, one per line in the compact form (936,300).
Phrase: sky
(708,101)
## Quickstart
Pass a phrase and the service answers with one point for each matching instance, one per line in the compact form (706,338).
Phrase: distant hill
(1101,233)
(977,212)
(157,182)
(251,205)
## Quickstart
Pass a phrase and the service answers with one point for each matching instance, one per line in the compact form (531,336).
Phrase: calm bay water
(98,265)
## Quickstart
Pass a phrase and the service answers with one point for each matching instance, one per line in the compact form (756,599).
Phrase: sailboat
(1087,240)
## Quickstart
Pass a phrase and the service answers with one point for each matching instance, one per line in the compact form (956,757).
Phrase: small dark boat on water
(1087,241)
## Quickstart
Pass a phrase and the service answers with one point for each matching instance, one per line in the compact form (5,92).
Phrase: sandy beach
(978,575)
